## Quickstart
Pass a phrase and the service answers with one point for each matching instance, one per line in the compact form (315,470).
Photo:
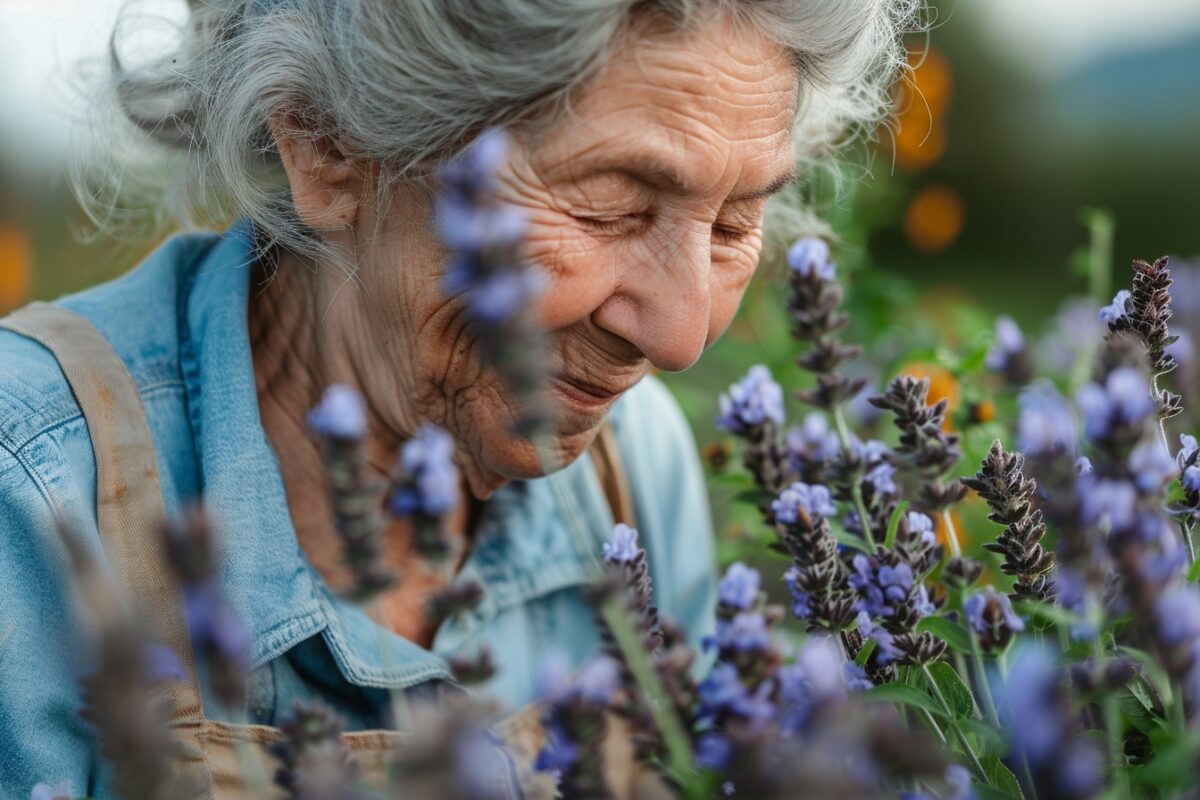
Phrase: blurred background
(1039,147)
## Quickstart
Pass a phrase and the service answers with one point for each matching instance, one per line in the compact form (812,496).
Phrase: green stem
(1186,527)
(839,418)
(951,533)
(679,751)
(1112,732)
(989,702)
(949,712)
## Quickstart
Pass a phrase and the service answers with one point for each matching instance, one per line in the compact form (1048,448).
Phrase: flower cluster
(220,640)
(425,488)
(813,304)
(486,268)
(1009,493)
(339,420)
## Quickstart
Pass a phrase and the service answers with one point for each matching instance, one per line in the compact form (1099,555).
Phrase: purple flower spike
(623,547)
(1151,467)
(1124,400)
(1009,342)
(1045,424)
(814,499)
(750,402)
(429,482)
(739,587)
(1118,308)
(44,791)
(341,414)
(810,256)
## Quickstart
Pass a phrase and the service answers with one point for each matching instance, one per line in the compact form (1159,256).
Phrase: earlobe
(326,183)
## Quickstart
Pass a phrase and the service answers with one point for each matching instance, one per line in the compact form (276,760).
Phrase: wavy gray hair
(408,82)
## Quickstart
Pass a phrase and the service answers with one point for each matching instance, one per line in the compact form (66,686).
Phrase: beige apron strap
(129,503)
(606,455)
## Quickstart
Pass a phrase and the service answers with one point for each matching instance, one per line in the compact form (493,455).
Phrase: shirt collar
(536,536)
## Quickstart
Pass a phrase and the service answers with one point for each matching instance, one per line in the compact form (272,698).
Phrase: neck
(297,352)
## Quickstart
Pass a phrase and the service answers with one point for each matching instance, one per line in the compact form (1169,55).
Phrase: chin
(506,457)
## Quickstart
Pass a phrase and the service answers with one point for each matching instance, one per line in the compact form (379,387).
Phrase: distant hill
(1133,89)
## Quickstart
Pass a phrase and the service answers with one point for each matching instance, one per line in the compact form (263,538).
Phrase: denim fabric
(178,321)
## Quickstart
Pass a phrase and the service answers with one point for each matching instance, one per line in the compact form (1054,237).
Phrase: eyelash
(632,221)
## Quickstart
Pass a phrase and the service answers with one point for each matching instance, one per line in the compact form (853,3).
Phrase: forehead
(713,106)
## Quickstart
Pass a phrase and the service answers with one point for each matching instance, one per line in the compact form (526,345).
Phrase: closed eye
(624,224)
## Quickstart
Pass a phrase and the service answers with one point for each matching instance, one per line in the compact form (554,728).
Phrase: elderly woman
(645,140)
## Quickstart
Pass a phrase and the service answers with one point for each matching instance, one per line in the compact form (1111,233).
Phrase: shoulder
(136,313)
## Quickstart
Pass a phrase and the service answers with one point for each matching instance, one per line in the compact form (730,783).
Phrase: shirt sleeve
(671,502)
(42,737)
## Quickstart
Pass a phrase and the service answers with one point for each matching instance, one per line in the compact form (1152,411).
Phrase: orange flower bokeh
(16,267)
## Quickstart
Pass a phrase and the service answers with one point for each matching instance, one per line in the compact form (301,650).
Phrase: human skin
(645,208)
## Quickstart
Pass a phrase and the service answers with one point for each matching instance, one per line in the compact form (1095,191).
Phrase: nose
(663,303)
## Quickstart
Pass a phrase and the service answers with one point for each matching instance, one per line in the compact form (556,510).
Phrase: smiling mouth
(585,395)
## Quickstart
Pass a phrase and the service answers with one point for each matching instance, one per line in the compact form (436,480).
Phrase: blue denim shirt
(179,323)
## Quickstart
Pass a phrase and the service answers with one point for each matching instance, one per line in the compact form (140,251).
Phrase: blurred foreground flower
(486,267)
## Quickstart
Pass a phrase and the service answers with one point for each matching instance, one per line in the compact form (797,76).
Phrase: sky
(41,40)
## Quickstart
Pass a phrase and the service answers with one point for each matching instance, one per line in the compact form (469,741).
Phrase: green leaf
(1001,777)
(1139,715)
(1033,609)
(953,689)
(754,497)
(992,793)
(903,695)
(991,742)
(853,542)
(737,479)
(1194,573)
(950,632)
(865,652)
(894,523)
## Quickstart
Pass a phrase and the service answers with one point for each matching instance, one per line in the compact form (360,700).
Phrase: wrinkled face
(645,207)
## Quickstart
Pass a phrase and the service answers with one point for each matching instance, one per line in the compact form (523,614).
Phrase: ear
(327,185)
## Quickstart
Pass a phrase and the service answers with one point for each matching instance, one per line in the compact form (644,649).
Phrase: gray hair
(406,83)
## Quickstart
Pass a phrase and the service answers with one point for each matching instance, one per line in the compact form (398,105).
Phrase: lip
(585,395)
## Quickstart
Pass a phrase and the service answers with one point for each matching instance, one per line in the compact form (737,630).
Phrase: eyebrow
(657,172)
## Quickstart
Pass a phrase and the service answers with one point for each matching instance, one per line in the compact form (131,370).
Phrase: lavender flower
(340,422)
(314,762)
(992,618)
(1045,425)
(1117,407)
(220,641)
(920,526)
(810,257)
(813,302)
(425,488)
(751,402)
(341,414)
(924,448)
(1036,714)
(1118,308)
(575,724)
(623,547)
(1002,483)
(747,632)
(476,229)
(1177,629)
(486,268)
(1146,311)
(1152,469)
(1009,355)
(739,588)
(811,446)
(429,484)
(44,791)
(801,497)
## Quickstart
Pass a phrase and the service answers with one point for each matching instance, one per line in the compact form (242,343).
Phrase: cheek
(581,273)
